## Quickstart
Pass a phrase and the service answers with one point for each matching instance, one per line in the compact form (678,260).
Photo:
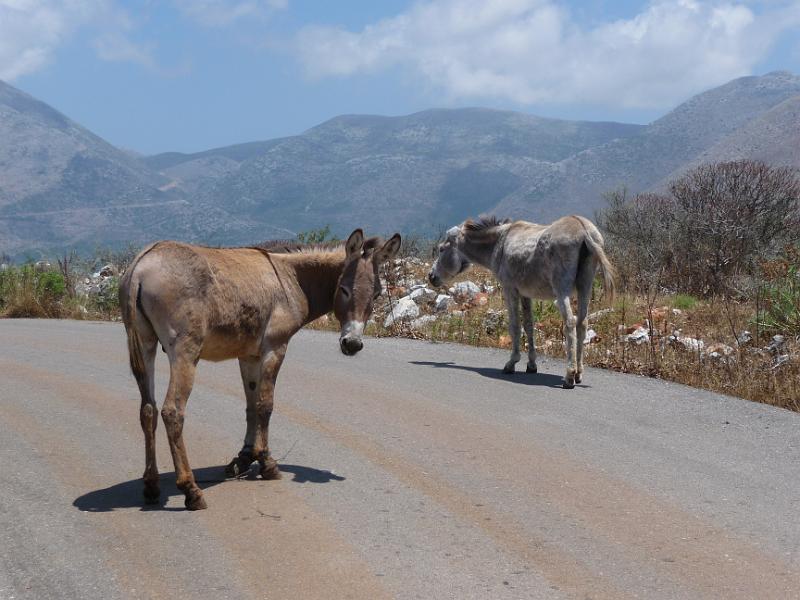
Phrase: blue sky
(187,75)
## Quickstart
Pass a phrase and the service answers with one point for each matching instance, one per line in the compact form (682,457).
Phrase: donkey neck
(479,246)
(317,275)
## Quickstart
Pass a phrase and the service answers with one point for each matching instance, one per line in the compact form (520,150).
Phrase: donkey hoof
(578,377)
(531,369)
(238,466)
(569,384)
(152,494)
(195,500)
(270,470)
(509,368)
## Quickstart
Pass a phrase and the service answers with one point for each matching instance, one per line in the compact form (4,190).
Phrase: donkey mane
(294,247)
(484,223)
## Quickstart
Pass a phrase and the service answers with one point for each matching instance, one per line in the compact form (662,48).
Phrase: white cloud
(116,47)
(215,13)
(30,31)
(533,51)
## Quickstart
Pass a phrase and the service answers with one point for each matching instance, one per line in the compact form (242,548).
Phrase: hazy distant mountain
(62,186)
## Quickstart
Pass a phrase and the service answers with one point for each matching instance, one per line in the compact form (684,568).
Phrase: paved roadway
(413,470)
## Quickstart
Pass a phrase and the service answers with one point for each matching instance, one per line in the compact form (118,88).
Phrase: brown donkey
(245,303)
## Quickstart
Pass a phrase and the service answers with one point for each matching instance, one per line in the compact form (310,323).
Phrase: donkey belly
(222,344)
(537,292)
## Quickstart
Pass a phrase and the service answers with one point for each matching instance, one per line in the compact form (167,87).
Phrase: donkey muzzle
(350,345)
(350,340)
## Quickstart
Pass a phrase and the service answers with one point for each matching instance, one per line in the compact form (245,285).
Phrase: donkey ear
(354,243)
(389,249)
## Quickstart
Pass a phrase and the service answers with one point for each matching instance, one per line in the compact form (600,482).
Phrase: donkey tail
(128,301)
(607,270)
(594,244)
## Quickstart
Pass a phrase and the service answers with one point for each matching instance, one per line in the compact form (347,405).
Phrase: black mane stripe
(293,246)
(484,223)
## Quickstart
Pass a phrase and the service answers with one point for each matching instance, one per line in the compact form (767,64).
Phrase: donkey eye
(345,292)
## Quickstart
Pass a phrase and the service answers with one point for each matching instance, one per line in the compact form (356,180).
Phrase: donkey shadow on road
(128,494)
(522,378)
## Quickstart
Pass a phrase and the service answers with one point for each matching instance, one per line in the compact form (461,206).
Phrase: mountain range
(63,187)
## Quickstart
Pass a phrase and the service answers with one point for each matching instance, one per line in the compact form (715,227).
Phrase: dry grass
(749,372)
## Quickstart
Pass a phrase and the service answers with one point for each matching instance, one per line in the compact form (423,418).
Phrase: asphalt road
(413,470)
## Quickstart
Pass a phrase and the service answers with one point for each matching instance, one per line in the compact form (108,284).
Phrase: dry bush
(709,233)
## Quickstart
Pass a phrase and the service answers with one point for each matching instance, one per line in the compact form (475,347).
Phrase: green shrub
(684,301)
(781,294)
(24,292)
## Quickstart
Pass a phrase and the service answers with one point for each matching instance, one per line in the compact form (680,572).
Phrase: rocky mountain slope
(61,186)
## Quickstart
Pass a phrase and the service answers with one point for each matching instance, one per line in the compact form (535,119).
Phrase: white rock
(599,313)
(692,344)
(422,295)
(776,344)
(639,336)
(781,360)
(590,335)
(421,322)
(466,289)
(405,310)
(444,302)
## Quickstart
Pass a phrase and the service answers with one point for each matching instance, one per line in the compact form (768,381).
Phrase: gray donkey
(543,262)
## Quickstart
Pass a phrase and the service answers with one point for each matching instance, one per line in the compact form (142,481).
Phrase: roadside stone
(638,336)
(480,299)
(444,302)
(719,348)
(781,360)
(422,295)
(465,290)
(493,321)
(591,336)
(776,344)
(687,343)
(744,338)
(108,270)
(405,310)
(423,321)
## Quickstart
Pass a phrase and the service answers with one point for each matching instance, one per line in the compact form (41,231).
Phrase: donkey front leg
(250,369)
(527,323)
(181,379)
(512,304)
(570,335)
(269,374)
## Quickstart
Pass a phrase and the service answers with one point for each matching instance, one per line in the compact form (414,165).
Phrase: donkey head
(450,261)
(359,286)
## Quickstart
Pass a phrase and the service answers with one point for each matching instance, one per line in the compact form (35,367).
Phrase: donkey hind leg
(183,359)
(512,304)
(527,323)
(569,333)
(583,284)
(269,374)
(148,417)
(251,379)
